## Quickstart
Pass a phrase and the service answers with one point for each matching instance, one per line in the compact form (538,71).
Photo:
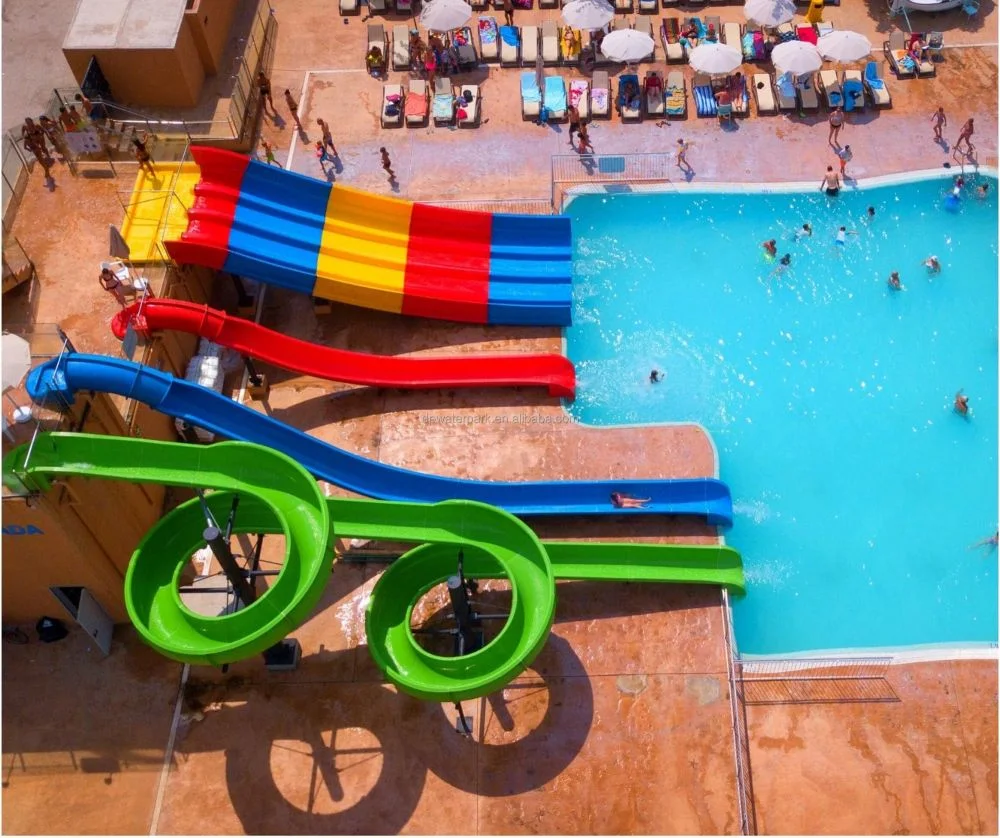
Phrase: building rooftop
(125,24)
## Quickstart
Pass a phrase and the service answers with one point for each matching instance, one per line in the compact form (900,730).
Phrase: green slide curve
(277,495)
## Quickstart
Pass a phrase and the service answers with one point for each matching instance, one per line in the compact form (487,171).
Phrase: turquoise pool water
(857,488)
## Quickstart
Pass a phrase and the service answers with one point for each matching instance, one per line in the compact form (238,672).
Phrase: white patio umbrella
(626,45)
(445,15)
(796,57)
(16,359)
(588,14)
(715,59)
(769,12)
(844,46)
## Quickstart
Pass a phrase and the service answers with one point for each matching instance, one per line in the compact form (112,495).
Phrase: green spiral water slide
(277,495)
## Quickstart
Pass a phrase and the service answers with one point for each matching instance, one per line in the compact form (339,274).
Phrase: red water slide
(247,338)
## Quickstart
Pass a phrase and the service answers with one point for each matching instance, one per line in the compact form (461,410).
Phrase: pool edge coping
(773,187)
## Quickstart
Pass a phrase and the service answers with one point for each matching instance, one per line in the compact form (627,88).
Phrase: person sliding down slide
(620,501)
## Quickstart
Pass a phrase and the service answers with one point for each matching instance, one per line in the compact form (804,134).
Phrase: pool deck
(623,725)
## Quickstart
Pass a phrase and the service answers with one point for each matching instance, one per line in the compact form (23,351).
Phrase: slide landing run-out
(342,244)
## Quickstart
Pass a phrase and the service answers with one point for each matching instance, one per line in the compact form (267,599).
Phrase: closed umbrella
(796,57)
(588,14)
(626,45)
(844,46)
(16,358)
(445,15)
(715,59)
(769,12)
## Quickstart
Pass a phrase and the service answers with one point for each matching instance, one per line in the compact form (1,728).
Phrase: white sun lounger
(579,97)
(489,38)
(509,53)
(732,35)
(808,96)
(471,108)
(416,103)
(876,86)
(388,92)
(348,6)
(600,95)
(529,45)
(763,93)
(784,91)
(673,50)
(400,48)
(550,42)
(531,96)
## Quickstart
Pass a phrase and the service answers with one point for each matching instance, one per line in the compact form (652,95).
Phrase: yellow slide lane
(362,255)
(154,213)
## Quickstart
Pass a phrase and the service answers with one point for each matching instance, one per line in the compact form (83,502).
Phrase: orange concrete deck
(623,724)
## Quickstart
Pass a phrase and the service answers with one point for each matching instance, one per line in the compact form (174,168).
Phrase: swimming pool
(857,488)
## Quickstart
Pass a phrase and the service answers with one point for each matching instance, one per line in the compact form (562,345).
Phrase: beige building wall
(153,77)
(80,533)
(83,532)
(209,22)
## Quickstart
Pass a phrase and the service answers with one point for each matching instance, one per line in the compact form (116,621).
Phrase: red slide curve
(543,370)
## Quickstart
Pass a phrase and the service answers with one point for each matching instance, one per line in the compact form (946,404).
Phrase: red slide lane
(543,370)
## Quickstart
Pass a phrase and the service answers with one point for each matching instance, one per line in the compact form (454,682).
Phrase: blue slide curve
(60,378)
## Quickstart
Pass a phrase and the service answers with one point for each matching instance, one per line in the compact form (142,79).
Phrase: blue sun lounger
(555,97)
(531,96)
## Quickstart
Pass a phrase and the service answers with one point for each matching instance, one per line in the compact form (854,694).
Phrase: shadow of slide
(374,787)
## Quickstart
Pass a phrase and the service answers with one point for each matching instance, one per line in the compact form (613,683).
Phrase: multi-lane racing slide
(342,244)
(61,377)
(277,495)
(545,370)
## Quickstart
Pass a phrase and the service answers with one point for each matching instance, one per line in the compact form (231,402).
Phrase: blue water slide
(58,379)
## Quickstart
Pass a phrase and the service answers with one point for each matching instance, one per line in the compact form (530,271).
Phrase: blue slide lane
(530,262)
(272,240)
(58,379)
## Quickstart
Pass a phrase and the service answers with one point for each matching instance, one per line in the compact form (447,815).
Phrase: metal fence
(815,680)
(610,172)
(16,169)
(520,206)
(741,737)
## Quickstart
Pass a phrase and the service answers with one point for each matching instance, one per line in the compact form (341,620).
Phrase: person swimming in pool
(783,264)
(655,377)
(991,542)
(842,235)
(932,264)
(961,404)
(804,233)
(770,247)
(871,213)
(894,282)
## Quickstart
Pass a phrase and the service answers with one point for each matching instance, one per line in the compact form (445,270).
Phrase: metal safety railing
(741,736)
(16,168)
(519,206)
(580,171)
(816,680)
